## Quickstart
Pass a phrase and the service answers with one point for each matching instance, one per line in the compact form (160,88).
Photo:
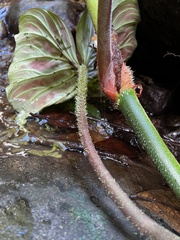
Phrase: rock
(44,198)
(3,30)
(16,216)
(67,10)
(154,99)
(6,54)
(3,11)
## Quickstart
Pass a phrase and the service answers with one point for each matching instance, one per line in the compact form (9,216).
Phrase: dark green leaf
(93,111)
(83,37)
(85,31)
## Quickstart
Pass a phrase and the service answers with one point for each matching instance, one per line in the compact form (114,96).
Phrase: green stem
(142,222)
(150,138)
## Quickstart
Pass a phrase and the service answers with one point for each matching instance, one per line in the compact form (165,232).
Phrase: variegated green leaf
(125,19)
(85,32)
(43,71)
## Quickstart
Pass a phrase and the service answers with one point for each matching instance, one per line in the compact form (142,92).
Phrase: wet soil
(47,187)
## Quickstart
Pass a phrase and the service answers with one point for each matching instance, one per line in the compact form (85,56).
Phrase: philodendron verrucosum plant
(47,63)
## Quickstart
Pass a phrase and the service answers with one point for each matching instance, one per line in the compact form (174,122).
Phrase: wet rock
(6,54)
(3,14)
(67,10)
(154,99)
(3,30)
(48,198)
(17,219)
(3,11)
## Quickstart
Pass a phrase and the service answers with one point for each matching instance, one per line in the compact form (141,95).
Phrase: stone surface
(44,198)
(155,99)
(3,30)
(67,10)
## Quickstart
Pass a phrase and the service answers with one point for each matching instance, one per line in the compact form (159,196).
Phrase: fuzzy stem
(150,139)
(141,221)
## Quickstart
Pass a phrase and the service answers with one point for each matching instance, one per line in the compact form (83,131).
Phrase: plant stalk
(142,222)
(150,138)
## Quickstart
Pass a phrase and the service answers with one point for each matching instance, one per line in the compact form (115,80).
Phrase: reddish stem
(141,221)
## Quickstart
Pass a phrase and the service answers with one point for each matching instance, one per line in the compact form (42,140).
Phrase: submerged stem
(142,222)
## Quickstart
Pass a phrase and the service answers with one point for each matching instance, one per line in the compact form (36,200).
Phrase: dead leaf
(163,203)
